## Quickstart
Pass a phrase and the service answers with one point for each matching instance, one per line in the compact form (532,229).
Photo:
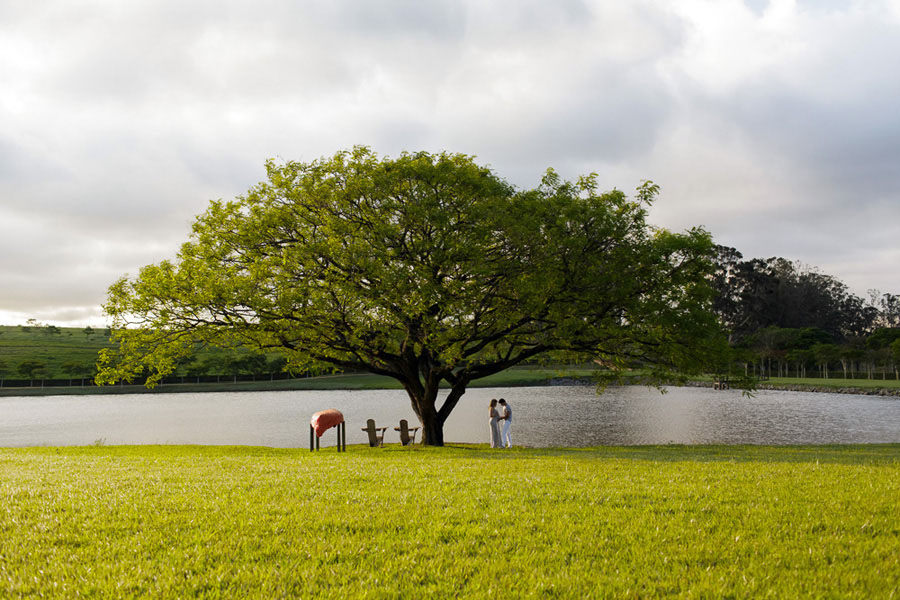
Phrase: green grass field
(70,345)
(836,383)
(464,521)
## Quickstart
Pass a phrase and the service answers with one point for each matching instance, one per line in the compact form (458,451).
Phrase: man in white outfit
(506,417)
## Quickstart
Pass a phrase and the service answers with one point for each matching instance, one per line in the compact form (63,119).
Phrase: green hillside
(71,353)
(65,351)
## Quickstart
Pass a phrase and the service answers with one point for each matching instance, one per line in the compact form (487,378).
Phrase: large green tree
(427,268)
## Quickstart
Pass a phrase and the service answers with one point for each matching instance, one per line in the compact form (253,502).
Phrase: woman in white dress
(495,424)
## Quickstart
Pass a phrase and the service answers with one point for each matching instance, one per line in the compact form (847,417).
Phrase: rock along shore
(827,389)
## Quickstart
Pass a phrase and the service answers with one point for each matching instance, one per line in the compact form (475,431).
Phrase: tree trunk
(432,431)
(432,425)
(424,403)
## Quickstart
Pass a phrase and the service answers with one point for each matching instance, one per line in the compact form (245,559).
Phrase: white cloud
(770,122)
(728,44)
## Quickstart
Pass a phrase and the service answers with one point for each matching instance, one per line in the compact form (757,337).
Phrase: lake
(543,416)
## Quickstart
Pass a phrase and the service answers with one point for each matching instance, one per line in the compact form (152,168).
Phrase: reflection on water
(543,416)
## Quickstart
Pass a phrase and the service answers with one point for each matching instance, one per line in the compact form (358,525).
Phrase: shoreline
(341,383)
(823,389)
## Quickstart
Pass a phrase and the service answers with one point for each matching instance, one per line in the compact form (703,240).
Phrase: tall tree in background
(728,301)
(888,306)
(426,268)
(756,294)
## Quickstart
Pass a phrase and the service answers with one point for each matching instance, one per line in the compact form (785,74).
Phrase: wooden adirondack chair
(376,434)
(405,430)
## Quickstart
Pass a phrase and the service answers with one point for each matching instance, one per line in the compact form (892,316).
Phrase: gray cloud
(770,122)
(815,130)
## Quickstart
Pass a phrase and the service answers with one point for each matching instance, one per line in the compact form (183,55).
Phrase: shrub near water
(463,521)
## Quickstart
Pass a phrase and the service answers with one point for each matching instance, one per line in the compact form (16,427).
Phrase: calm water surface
(543,416)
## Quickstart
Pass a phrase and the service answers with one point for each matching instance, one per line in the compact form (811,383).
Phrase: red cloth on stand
(324,420)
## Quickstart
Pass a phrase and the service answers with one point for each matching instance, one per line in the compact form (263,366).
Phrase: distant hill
(46,352)
(64,351)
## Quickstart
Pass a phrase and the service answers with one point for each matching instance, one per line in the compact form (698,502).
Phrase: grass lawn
(462,521)
(835,383)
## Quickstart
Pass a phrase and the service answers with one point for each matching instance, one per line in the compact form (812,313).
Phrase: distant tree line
(787,319)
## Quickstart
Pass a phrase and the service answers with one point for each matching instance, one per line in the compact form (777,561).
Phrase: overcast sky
(773,124)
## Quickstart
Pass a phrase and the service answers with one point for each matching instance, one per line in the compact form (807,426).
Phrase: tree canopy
(754,294)
(427,268)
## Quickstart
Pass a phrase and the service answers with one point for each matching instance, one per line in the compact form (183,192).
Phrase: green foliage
(78,369)
(759,293)
(462,522)
(785,338)
(883,337)
(795,349)
(247,363)
(425,268)
(278,364)
(32,369)
(826,353)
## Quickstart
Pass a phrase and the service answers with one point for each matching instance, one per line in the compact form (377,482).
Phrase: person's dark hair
(493,402)
(502,401)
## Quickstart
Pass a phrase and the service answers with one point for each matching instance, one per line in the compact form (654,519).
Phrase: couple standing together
(500,431)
